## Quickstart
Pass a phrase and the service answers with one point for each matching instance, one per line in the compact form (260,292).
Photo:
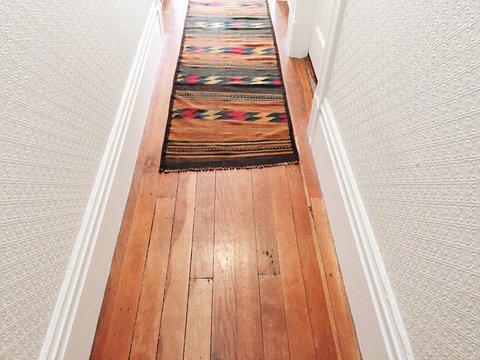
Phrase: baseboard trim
(380,329)
(72,327)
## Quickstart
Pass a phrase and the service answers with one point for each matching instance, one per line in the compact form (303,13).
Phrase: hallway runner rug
(228,107)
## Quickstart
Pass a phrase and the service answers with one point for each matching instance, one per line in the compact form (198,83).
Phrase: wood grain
(267,253)
(249,327)
(115,269)
(224,317)
(204,226)
(168,183)
(338,298)
(321,320)
(147,325)
(199,319)
(296,309)
(172,328)
(124,310)
(147,163)
(274,324)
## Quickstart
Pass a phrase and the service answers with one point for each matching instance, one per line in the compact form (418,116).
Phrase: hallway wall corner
(396,141)
(380,330)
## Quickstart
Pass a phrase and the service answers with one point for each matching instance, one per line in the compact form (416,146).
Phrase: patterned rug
(228,107)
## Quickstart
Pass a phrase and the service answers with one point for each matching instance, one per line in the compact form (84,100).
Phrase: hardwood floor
(225,264)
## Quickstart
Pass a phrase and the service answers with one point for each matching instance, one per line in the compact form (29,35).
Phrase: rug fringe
(262,166)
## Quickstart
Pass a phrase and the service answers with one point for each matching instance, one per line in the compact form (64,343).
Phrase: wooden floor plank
(199,320)
(339,302)
(147,162)
(147,325)
(172,328)
(127,294)
(224,305)
(167,186)
(305,72)
(298,320)
(204,226)
(321,320)
(115,269)
(274,324)
(249,326)
(267,253)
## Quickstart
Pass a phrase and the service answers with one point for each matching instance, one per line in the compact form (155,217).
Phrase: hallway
(225,264)
(367,247)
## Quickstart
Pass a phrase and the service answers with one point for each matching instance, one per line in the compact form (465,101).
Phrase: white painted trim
(377,319)
(330,47)
(300,22)
(73,324)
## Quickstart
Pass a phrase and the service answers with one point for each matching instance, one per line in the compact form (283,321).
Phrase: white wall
(63,70)
(405,99)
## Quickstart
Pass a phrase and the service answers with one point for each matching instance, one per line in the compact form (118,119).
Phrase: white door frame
(324,76)
(300,20)
(300,24)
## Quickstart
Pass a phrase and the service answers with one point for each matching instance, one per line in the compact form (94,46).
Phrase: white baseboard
(380,330)
(73,324)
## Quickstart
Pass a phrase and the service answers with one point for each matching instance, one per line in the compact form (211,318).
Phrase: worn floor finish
(225,264)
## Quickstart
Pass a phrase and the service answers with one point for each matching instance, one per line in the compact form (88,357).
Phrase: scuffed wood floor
(233,264)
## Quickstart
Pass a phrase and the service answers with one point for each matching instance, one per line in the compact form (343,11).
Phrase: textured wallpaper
(63,68)
(405,92)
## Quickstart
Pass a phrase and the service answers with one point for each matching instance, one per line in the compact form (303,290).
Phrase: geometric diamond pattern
(199,114)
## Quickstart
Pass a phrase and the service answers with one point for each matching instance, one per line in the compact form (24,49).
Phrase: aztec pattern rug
(228,107)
